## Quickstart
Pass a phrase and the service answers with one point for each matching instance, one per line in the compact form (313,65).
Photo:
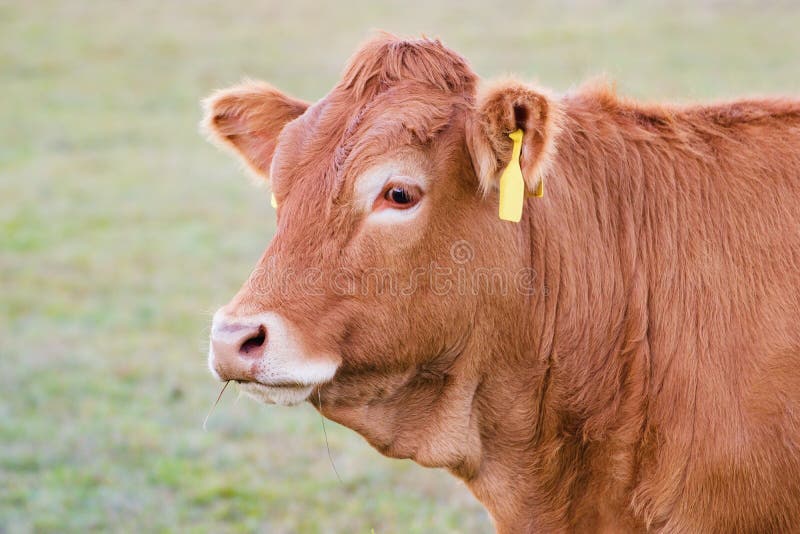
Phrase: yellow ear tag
(512,186)
(539,193)
(273,201)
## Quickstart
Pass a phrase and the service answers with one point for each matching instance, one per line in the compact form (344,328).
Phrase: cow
(624,358)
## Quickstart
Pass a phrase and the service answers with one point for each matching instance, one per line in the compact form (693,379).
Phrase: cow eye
(401,196)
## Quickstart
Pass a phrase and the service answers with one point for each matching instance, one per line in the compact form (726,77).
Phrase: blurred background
(121,230)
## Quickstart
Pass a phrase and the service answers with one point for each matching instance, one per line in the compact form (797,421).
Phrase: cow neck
(547,405)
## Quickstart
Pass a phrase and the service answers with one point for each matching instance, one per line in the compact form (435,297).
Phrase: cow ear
(248,118)
(501,109)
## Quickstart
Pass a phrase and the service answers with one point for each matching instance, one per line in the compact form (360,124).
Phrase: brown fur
(652,382)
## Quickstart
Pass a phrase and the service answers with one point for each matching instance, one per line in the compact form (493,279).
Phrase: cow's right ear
(248,118)
(502,108)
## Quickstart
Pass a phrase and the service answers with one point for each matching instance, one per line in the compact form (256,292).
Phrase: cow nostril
(254,343)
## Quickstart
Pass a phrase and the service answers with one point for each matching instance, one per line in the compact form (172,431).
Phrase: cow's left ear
(501,109)
(248,118)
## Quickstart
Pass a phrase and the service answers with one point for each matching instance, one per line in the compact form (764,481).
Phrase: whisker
(215,405)
(325,433)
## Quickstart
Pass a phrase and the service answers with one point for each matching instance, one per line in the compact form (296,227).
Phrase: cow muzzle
(266,355)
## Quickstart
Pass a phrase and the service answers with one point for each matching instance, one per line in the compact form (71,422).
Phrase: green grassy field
(121,230)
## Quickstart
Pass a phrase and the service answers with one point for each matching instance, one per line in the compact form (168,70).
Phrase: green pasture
(121,230)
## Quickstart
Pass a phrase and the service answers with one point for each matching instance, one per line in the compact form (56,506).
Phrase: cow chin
(282,395)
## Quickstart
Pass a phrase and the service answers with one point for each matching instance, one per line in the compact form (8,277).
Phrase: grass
(121,230)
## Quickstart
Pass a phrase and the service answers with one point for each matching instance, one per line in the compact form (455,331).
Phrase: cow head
(390,284)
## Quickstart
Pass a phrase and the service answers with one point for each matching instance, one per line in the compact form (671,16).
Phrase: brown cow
(626,358)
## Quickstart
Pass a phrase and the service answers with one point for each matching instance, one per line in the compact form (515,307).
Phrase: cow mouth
(282,393)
